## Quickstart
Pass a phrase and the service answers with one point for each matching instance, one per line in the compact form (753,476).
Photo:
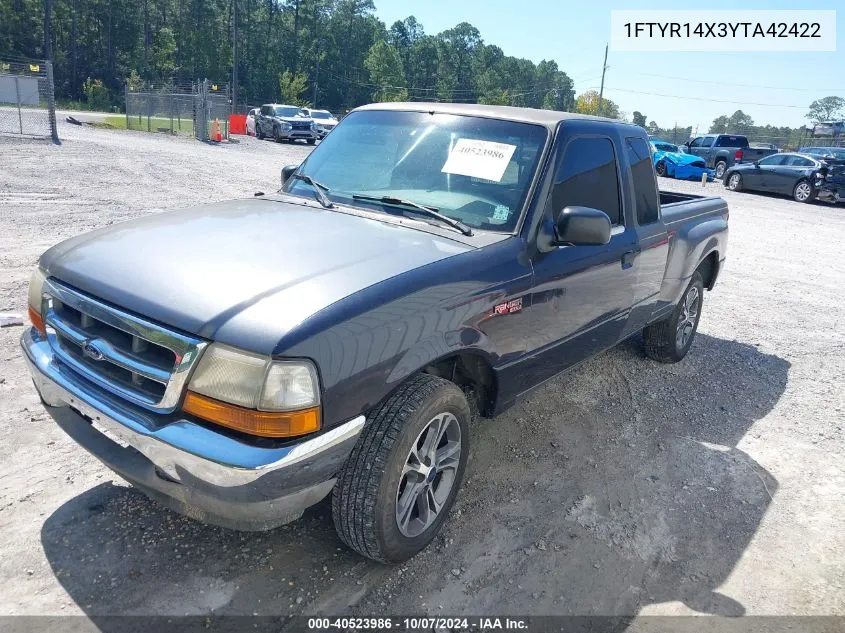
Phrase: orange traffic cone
(215,131)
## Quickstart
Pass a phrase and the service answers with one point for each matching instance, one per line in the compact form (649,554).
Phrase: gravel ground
(625,487)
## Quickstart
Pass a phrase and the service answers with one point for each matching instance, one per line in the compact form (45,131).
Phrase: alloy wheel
(429,475)
(733,182)
(688,318)
(802,191)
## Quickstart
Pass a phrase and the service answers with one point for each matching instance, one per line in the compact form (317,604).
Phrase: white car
(324,119)
(250,122)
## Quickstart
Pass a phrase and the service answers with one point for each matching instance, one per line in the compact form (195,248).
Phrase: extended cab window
(587,177)
(645,186)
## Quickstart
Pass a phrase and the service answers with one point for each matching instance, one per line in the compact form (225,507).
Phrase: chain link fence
(189,109)
(27,101)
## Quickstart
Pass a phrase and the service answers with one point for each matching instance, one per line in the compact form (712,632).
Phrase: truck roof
(549,118)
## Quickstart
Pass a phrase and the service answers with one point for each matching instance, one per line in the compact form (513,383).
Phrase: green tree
(826,109)
(740,123)
(639,118)
(291,87)
(386,72)
(719,125)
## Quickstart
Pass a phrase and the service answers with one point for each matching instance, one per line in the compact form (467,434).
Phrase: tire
(277,135)
(803,192)
(664,341)
(259,133)
(734,182)
(381,472)
(660,168)
(720,168)
(311,141)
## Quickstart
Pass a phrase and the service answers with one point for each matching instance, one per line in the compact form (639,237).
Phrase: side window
(775,159)
(645,187)
(708,141)
(799,161)
(587,177)
(696,142)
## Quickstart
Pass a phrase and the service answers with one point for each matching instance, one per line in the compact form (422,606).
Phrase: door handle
(628,258)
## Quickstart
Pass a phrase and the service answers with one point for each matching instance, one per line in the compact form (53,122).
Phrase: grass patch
(153,124)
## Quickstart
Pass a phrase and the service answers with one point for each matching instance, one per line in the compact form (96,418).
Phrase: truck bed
(676,206)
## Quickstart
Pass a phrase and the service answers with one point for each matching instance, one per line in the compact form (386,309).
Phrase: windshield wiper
(318,188)
(429,211)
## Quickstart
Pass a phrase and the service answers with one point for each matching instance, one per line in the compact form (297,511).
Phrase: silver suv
(285,123)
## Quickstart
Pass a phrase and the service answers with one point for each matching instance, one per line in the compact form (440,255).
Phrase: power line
(746,103)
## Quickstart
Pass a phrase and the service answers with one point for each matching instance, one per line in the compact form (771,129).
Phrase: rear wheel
(669,340)
(721,166)
(661,168)
(396,489)
(803,192)
(734,182)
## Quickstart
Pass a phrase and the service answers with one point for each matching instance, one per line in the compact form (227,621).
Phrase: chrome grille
(134,358)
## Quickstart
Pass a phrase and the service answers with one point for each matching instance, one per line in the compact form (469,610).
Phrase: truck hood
(243,272)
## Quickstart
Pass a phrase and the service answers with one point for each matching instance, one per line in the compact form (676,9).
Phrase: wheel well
(709,270)
(473,374)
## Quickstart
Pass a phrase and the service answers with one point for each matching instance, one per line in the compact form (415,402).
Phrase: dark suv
(285,123)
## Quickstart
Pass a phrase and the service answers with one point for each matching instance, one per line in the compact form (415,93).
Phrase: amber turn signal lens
(261,423)
(37,321)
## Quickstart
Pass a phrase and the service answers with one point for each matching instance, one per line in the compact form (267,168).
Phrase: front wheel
(397,487)
(669,340)
(311,141)
(661,169)
(803,192)
(735,182)
(721,166)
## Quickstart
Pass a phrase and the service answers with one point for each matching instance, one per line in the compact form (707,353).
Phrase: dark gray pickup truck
(721,151)
(240,361)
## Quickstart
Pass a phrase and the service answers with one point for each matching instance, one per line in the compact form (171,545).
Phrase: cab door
(581,295)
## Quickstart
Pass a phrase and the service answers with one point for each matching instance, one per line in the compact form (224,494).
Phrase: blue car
(671,162)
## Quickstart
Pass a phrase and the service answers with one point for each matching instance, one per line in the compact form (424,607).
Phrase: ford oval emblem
(90,350)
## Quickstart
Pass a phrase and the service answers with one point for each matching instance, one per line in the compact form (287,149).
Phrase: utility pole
(603,69)
(316,75)
(234,56)
(48,30)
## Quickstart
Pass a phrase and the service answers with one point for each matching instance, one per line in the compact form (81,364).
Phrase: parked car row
(288,123)
(805,177)
(812,173)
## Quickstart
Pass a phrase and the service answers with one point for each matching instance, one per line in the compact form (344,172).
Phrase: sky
(691,87)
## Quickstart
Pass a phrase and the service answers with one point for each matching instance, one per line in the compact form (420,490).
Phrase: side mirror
(582,226)
(287,172)
(757,163)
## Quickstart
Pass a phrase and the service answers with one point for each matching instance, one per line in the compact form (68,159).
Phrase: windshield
(471,169)
(665,147)
(288,111)
(321,114)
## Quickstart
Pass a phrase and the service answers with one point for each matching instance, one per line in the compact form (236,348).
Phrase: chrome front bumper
(192,469)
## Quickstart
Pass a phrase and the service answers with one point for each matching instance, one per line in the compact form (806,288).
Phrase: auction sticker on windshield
(479,159)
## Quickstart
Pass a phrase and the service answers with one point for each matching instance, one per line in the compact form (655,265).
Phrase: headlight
(315,127)
(255,394)
(286,126)
(36,285)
